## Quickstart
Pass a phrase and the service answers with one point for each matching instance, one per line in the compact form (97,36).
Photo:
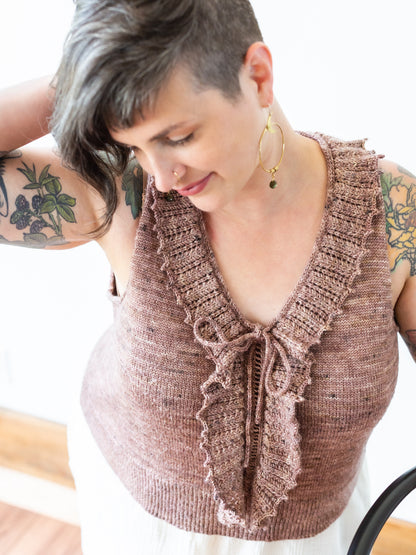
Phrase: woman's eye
(181,141)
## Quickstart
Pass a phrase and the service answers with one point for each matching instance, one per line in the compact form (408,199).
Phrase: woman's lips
(194,188)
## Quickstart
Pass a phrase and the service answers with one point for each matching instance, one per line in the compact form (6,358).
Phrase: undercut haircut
(117,57)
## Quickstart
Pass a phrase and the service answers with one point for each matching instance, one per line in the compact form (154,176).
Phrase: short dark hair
(118,55)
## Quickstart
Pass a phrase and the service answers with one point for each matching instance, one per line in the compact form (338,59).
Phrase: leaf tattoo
(46,209)
(132,184)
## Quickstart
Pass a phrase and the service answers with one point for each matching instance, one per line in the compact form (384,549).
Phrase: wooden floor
(396,538)
(26,533)
(34,446)
(38,448)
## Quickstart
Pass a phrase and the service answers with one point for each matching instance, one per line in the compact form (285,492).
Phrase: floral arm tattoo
(399,193)
(400,204)
(40,210)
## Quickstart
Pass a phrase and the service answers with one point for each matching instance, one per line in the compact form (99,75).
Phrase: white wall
(344,68)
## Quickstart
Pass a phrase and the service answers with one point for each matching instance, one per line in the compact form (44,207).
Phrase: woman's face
(209,141)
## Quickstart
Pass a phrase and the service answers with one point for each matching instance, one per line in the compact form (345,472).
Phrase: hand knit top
(222,426)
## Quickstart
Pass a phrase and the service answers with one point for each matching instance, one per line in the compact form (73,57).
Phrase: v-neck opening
(194,276)
(247,323)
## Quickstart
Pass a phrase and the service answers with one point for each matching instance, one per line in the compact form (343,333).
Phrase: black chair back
(380,511)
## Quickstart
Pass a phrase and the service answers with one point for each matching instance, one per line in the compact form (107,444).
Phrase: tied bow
(225,351)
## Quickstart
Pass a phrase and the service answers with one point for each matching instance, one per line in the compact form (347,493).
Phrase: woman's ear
(258,64)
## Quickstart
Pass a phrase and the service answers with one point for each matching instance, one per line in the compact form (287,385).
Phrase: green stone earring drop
(273,183)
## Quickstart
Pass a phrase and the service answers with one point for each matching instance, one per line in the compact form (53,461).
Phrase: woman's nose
(163,173)
(163,184)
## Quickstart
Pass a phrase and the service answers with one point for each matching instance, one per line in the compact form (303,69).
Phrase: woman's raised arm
(42,203)
(24,113)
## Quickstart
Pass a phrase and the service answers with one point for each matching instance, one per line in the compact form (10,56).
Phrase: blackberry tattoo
(42,215)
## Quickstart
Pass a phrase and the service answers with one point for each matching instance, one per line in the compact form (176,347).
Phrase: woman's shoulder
(399,194)
(398,187)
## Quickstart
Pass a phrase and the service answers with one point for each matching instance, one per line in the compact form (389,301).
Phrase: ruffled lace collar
(229,419)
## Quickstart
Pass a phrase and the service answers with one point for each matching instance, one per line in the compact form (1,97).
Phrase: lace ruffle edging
(336,262)
(333,267)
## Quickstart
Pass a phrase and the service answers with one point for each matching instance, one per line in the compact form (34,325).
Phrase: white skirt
(113,523)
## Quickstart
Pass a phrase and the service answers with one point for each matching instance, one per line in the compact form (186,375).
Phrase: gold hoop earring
(270,128)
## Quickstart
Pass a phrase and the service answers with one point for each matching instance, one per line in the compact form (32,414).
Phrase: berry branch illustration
(46,210)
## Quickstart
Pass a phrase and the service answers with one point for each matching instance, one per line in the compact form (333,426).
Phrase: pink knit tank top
(221,426)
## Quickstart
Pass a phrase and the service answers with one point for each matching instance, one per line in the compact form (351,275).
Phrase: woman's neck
(303,165)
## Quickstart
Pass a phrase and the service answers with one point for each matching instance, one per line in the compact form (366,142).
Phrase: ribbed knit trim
(194,509)
(230,340)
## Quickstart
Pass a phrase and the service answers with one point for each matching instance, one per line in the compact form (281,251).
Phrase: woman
(249,359)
